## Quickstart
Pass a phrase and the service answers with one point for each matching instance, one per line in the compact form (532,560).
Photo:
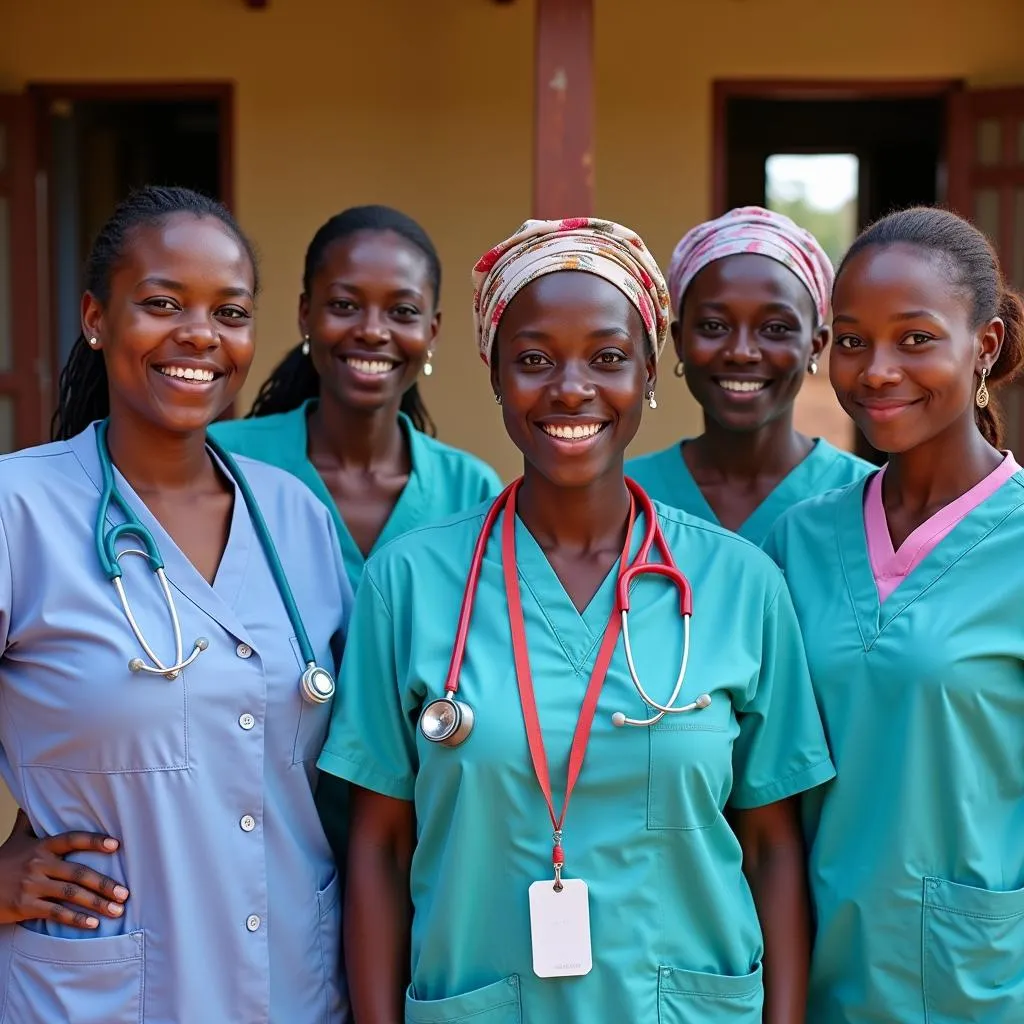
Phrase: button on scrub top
(667,478)
(207,780)
(675,934)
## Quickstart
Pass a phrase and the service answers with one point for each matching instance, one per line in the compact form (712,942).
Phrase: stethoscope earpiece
(446,721)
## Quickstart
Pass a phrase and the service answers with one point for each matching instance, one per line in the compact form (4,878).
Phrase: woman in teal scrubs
(342,412)
(750,293)
(447,841)
(909,592)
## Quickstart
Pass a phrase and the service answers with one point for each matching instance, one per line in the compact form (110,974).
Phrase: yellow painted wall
(428,104)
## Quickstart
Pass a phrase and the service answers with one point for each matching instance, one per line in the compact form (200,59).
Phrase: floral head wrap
(752,229)
(597,247)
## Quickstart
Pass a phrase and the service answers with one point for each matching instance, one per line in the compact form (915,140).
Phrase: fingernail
(109,844)
(92,922)
(120,893)
(115,908)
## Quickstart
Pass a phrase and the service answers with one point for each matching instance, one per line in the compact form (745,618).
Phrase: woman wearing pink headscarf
(750,296)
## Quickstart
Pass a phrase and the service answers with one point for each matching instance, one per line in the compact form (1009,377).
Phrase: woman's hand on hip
(36,882)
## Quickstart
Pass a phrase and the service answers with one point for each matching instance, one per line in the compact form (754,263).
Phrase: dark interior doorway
(899,142)
(101,148)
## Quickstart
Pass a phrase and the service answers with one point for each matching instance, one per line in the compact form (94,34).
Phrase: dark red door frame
(810,89)
(563,156)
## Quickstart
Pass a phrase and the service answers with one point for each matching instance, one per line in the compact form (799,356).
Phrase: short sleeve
(371,741)
(781,748)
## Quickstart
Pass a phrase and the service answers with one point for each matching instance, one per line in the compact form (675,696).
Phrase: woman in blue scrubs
(450,854)
(228,907)
(909,592)
(343,411)
(750,294)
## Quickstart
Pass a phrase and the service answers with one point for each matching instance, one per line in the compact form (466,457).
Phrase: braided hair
(83,380)
(973,267)
(294,380)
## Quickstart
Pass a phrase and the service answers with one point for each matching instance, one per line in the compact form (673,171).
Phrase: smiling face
(572,365)
(176,330)
(746,338)
(370,318)
(906,359)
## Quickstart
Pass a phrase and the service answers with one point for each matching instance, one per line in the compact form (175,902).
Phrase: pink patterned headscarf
(597,247)
(752,229)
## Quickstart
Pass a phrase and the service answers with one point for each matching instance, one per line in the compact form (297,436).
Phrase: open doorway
(97,144)
(833,157)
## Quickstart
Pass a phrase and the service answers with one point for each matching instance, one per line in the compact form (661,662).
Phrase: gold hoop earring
(428,366)
(679,370)
(981,396)
(305,345)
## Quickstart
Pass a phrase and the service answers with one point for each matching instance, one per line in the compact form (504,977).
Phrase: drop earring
(981,395)
(812,367)
(94,342)
(428,366)
(651,400)
(679,370)
(305,345)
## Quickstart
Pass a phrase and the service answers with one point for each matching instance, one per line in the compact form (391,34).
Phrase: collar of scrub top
(316,683)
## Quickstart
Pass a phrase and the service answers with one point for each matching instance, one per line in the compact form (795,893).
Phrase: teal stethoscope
(316,684)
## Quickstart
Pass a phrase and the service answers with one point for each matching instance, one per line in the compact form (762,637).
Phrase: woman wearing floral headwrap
(750,300)
(648,906)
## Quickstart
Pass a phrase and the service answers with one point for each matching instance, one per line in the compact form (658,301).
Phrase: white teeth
(569,433)
(743,385)
(187,373)
(376,366)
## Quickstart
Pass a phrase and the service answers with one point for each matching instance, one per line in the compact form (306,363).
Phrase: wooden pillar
(563,157)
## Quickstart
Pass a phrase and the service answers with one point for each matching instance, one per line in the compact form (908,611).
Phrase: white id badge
(560,928)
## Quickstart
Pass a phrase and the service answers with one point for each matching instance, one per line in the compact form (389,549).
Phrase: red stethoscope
(449,721)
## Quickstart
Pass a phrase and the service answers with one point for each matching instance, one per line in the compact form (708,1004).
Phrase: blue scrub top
(674,928)
(443,479)
(917,848)
(207,780)
(666,478)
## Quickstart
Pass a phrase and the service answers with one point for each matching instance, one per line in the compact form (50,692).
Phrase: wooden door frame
(43,95)
(723,90)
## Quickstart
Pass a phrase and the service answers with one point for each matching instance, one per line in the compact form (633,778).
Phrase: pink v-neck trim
(889,567)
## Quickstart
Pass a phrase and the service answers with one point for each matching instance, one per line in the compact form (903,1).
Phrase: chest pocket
(690,770)
(311,731)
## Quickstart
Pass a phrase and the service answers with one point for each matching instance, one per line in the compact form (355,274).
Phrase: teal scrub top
(666,478)
(443,479)
(917,847)
(675,933)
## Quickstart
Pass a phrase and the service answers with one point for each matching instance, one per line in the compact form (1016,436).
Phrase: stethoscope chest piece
(446,721)
(317,684)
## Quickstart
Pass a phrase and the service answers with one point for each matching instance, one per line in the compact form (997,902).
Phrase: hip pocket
(329,906)
(972,954)
(494,1004)
(88,981)
(691,997)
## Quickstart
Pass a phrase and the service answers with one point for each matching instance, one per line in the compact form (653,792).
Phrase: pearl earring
(812,369)
(981,396)
(651,400)
(428,366)
(94,342)
(305,345)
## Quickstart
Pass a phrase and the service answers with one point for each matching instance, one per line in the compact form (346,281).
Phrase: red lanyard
(524,677)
